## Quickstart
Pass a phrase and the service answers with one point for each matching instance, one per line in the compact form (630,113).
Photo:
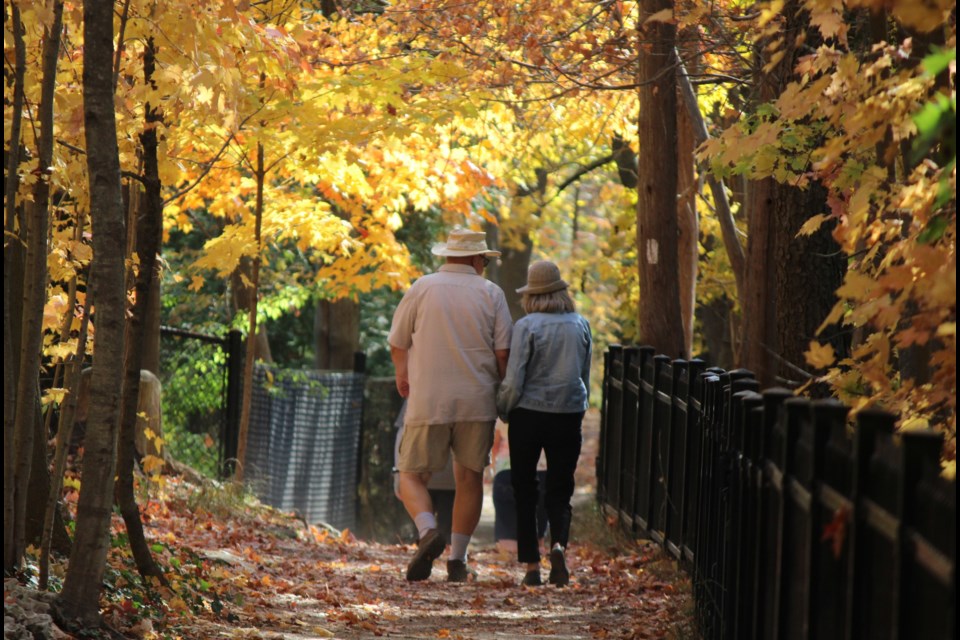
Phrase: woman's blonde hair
(553,302)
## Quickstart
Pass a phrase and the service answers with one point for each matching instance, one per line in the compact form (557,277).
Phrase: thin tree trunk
(688,240)
(35,278)
(151,326)
(147,242)
(49,522)
(11,255)
(243,297)
(252,326)
(80,597)
(68,411)
(659,320)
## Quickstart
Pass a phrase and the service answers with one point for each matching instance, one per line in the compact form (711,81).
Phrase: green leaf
(939,60)
(934,229)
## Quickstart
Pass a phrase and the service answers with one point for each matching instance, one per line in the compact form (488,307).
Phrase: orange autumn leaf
(819,355)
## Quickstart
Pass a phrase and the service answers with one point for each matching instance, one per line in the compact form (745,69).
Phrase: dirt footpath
(348,589)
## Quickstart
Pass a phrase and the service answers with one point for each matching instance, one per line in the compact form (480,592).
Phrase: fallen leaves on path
(258,573)
(240,570)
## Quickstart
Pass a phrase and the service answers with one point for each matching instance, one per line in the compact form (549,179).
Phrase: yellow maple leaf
(196,283)
(664,15)
(819,355)
(152,464)
(812,224)
(53,395)
(915,423)
(947,329)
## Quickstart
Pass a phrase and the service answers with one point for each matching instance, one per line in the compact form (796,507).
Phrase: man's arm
(399,357)
(503,355)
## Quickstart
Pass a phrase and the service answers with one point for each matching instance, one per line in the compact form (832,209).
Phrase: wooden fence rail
(791,523)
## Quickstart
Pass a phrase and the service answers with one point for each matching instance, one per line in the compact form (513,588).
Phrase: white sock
(425,521)
(458,546)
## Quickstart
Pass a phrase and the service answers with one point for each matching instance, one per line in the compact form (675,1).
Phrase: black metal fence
(201,378)
(792,523)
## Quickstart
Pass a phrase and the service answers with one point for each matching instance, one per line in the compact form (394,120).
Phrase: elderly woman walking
(543,398)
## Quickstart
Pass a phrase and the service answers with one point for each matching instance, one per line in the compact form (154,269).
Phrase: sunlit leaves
(844,122)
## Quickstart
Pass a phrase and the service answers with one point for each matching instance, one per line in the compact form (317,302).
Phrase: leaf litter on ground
(251,571)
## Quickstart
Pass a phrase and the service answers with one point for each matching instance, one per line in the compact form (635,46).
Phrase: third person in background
(543,397)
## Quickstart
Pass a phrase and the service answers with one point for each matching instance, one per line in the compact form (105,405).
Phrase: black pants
(558,435)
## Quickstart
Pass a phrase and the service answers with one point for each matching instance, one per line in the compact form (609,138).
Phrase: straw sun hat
(543,276)
(463,242)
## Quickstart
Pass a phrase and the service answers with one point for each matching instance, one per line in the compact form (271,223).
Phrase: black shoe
(532,578)
(558,567)
(428,549)
(458,571)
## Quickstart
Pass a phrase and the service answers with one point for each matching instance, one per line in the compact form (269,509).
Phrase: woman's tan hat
(543,277)
(463,242)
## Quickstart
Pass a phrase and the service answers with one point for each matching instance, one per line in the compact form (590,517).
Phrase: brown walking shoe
(429,549)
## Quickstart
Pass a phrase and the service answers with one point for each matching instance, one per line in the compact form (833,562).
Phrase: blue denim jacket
(549,366)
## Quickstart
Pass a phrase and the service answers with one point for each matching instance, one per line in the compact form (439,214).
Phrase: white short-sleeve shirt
(451,322)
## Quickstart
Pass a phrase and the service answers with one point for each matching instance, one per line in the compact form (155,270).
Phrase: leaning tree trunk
(659,320)
(148,231)
(721,203)
(80,597)
(688,227)
(34,297)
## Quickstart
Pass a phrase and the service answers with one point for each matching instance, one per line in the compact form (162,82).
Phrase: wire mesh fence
(304,442)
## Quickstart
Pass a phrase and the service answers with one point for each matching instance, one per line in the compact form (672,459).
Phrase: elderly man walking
(449,341)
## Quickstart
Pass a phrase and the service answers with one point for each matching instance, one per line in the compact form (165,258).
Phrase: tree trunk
(245,299)
(151,326)
(148,232)
(660,324)
(12,257)
(252,324)
(808,271)
(336,329)
(34,297)
(80,597)
(758,337)
(784,304)
(687,244)
(716,331)
(513,273)
(68,411)
(510,273)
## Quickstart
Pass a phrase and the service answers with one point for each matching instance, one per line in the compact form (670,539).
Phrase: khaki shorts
(425,448)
